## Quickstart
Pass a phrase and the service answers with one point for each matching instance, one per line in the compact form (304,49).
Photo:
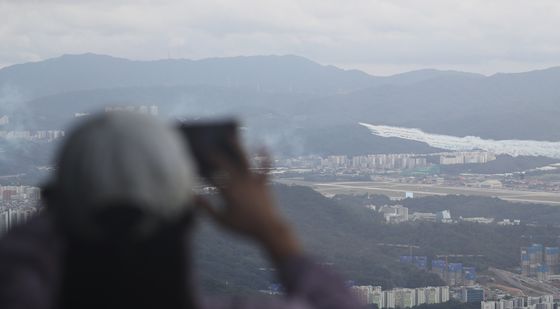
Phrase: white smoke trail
(509,147)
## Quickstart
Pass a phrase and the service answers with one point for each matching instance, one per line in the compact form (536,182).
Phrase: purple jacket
(31,266)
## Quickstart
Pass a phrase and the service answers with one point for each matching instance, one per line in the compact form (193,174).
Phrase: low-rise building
(472,294)
(394,213)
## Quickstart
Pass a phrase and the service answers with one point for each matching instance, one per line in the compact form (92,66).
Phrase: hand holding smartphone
(250,208)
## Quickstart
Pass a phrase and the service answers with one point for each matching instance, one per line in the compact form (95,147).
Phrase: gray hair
(123,157)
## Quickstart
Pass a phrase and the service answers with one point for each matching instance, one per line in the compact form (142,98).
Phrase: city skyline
(403,154)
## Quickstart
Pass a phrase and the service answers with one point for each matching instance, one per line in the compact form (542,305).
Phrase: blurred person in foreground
(117,228)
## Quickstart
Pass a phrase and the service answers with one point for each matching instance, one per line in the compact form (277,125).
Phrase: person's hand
(250,209)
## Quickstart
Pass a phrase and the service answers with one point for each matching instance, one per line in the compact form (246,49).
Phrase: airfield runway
(398,190)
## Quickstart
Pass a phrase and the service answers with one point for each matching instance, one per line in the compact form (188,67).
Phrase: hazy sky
(380,37)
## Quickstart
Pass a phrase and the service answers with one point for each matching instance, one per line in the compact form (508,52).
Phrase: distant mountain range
(259,73)
(291,74)
(289,102)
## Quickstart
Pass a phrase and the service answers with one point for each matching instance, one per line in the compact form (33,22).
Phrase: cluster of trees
(21,158)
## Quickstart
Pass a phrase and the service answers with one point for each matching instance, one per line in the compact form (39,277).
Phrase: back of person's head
(122,160)
(122,189)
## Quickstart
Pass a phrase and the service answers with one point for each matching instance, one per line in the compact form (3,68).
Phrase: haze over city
(364,154)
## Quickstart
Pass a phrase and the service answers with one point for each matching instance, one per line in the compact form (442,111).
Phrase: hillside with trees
(346,236)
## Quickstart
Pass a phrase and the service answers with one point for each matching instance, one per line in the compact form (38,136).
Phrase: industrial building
(394,213)
(472,294)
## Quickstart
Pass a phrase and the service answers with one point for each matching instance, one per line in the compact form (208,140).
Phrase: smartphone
(210,138)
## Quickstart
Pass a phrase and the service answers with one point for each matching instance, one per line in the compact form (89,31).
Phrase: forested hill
(348,235)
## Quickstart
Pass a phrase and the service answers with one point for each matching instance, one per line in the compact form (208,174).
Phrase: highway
(529,286)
